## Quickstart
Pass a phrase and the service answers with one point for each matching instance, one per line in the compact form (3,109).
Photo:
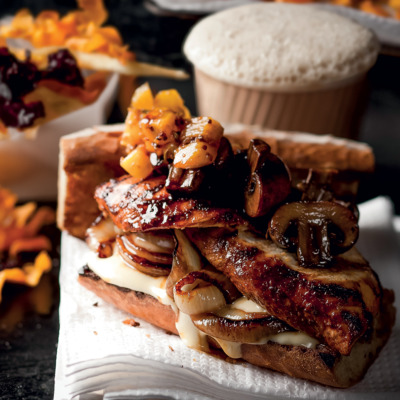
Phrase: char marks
(146,205)
(335,311)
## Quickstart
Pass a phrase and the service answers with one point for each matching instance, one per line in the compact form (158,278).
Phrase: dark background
(29,317)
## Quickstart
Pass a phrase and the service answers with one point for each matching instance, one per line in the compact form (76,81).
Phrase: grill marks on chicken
(334,306)
(146,205)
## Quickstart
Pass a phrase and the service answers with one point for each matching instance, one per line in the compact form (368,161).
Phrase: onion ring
(140,263)
(155,241)
(101,236)
(203,291)
(154,257)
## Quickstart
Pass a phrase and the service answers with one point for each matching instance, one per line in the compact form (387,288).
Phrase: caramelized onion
(242,330)
(142,252)
(155,241)
(101,236)
(140,263)
(203,291)
(199,298)
(185,259)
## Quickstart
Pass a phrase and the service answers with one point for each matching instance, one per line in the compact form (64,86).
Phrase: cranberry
(62,67)
(17,78)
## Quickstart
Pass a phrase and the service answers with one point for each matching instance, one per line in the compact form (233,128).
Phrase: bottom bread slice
(322,364)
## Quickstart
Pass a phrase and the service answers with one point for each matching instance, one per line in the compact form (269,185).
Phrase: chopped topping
(159,131)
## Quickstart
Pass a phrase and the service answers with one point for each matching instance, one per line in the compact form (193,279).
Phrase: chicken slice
(146,205)
(334,305)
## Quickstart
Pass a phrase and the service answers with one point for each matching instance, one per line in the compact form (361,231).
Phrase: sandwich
(242,242)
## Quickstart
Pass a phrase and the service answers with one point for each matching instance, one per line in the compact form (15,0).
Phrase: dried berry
(18,78)
(62,67)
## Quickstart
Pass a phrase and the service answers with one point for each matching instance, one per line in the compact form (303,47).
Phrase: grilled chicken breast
(335,305)
(146,205)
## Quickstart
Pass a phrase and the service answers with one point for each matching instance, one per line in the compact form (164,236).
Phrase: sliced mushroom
(243,330)
(318,185)
(269,181)
(317,230)
(224,156)
(184,181)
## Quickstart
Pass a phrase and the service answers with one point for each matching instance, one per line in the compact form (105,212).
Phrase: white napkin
(100,357)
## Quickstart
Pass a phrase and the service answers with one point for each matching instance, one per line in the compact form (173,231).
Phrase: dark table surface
(29,317)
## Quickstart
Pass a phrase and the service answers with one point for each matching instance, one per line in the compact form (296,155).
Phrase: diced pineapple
(207,128)
(196,154)
(171,100)
(137,163)
(131,135)
(158,129)
(143,99)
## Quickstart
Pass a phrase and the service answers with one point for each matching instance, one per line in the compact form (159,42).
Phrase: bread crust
(321,365)
(304,150)
(87,158)
(139,304)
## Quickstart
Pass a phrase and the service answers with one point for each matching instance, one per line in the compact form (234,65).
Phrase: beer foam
(281,46)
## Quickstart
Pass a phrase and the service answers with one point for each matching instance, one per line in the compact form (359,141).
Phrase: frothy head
(281,46)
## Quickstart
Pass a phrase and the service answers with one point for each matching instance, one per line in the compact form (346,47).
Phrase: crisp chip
(103,62)
(78,30)
(381,8)
(29,274)
(19,227)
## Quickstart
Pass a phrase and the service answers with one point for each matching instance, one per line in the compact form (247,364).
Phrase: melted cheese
(190,335)
(246,305)
(294,339)
(113,270)
(234,349)
(231,349)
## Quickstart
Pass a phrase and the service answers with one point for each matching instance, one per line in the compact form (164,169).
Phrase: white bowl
(29,166)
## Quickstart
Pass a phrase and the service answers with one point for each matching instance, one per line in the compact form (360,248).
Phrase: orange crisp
(79,30)
(19,231)
(381,8)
